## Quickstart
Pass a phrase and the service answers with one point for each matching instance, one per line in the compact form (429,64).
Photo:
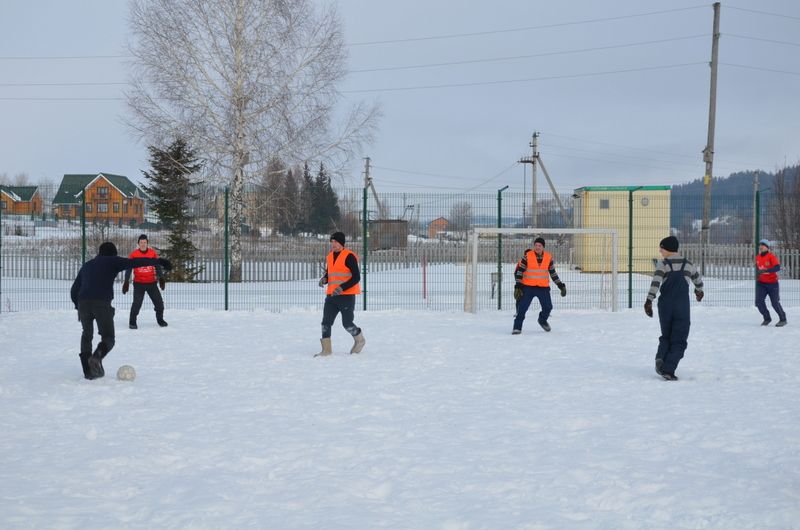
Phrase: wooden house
(112,198)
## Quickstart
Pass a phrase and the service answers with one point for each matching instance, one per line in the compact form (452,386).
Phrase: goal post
(586,259)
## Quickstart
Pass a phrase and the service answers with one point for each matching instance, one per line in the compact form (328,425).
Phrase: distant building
(437,226)
(111,198)
(614,207)
(20,200)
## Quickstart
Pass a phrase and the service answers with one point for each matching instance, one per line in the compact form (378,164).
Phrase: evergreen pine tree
(289,213)
(307,202)
(327,202)
(171,191)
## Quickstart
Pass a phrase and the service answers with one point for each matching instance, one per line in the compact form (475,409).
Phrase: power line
(643,149)
(517,57)
(773,41)
(780,15)
(61,99)
(59,84)
(760,69)
(525,28)
(525,80)
(60,57)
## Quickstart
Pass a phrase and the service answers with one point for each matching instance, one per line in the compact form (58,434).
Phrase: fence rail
(417,262)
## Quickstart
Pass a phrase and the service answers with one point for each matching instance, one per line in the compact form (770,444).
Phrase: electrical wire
(524,80)
(780,15)
(760,69)
(529,56)
(773,41)
(524,28)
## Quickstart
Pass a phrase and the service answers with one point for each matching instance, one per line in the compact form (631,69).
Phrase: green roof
(19,193)
(69,191)
(623,188)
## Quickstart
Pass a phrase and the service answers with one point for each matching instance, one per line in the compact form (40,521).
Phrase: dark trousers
(769,289)
(675,321)
(528,294)
(344,304)
(138,297)
(101,311)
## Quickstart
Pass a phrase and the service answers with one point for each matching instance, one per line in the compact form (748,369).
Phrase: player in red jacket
(144,281)
(767,267)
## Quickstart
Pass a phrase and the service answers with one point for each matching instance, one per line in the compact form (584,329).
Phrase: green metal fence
(412,248)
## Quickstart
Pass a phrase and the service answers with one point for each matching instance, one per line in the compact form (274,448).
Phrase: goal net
(586,260)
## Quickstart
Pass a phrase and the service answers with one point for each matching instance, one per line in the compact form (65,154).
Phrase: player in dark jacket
(671,283)
(92,292)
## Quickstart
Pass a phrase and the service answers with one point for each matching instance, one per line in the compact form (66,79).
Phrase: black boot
(96,361)
(87,373)
(160,320)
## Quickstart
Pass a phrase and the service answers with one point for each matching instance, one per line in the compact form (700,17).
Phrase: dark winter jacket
(95,280)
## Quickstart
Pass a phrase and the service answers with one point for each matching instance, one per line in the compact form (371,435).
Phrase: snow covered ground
(445,421)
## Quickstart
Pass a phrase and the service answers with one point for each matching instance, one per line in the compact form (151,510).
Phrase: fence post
(365,236)
(83,225)
(225,261)
(1,258)
(500,247)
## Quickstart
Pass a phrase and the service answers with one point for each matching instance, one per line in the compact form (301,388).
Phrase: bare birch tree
(244,81)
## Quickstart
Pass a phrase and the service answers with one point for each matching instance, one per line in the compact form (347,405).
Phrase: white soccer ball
(126,373)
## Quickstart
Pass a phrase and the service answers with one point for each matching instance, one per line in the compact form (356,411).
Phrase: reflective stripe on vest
(537,274)
(338,273)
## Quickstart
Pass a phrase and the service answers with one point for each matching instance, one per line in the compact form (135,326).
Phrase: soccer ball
(126,373)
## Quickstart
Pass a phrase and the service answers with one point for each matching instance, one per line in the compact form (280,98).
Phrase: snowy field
(445,421)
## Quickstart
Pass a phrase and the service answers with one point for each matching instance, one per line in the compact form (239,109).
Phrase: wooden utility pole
(708,152)
(532,160)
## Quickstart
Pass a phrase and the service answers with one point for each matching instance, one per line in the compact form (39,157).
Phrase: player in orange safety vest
(533,274)
(342,276)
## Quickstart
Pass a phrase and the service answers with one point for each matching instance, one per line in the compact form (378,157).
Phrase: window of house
(102,207)
(102,191)
(604,204)
(88,207)
(116,207)
(124,207)
(3,205)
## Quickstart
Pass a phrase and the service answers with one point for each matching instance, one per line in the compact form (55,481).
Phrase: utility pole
(708,152)
(532,161)
(535,160)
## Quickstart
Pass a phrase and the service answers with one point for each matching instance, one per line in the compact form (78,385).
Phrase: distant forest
(728,194)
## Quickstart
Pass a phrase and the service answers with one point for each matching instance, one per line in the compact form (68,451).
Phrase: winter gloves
(337,291)
(162,283)
(648,308)
(165,263)
(517,292)
(698,294)
(562,288)
(125,286)
(323,281)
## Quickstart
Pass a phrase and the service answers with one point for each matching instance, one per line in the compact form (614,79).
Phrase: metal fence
(413,256)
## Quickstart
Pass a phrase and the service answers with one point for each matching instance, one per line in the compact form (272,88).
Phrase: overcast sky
(617,102)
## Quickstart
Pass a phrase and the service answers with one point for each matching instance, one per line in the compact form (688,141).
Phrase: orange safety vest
(537,274)
(338,273)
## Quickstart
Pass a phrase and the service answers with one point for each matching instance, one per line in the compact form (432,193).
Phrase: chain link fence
(414,252)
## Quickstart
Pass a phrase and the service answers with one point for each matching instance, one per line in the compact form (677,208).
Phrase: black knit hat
(143,236)
(108,249)
(539,240)
(339,237)
(670,244)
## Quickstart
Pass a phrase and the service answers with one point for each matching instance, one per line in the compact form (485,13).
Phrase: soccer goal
(586,260)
